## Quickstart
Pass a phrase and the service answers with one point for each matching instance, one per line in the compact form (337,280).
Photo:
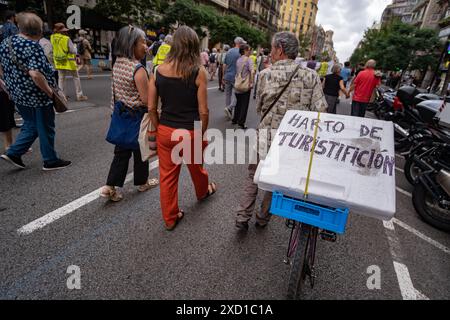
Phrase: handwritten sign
(353,165)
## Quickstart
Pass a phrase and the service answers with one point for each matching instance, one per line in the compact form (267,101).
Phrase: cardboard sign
(353,164)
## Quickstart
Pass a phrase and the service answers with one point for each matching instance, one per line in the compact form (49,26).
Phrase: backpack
(212,58)
(81,49)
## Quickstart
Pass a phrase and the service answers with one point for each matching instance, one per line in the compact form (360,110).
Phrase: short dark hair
(266,51)
(313,57)
(347,64)
(9,14)
(243,48)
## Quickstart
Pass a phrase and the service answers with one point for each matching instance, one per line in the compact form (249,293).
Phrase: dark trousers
(119,168)
(359,109)
(220,75)
(241,110)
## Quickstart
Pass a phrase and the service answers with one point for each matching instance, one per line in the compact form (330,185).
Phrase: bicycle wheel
(298,270)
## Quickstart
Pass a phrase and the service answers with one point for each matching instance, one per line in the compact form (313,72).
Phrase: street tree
(127,11)
(398,47)
(305,44)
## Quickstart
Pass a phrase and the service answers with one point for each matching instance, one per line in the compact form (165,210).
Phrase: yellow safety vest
(323,69)
(163,51)
(64,60)
(253,57)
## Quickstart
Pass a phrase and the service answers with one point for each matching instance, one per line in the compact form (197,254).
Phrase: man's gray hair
(371,64)
(126,41)
(226,47)
(336,69)
(30,24)
(288,42)
(168,39)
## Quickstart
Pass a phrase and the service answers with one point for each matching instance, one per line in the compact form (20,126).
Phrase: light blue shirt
(345,74)
(230,60)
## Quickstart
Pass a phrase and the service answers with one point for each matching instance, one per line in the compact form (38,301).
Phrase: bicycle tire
(297,274)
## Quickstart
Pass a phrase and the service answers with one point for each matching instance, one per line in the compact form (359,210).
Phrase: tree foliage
(305,44)
(128,11)
(398,46)
(222,28)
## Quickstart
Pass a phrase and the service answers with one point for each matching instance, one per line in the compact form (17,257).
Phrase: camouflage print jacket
(304,93)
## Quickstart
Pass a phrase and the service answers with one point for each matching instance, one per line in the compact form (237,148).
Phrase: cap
(60,27)
(239,40)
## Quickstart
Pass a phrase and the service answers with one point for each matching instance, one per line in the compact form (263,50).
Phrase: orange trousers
(169,171)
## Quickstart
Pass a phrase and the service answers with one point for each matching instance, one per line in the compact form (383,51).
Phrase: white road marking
(406,286)
(399,170)
(69,208)
(422,236)
(404,192)
(213,88)
(403,277)
(389,225)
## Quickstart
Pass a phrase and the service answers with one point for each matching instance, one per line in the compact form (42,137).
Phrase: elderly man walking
(229,71)
(64,56)
(364,85)
(303,92)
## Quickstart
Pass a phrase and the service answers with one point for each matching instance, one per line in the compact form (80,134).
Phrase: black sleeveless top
(179,107)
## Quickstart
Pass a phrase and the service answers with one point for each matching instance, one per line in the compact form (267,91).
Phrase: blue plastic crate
(327,218)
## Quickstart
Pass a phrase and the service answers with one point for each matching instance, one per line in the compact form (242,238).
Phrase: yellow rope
(316,131)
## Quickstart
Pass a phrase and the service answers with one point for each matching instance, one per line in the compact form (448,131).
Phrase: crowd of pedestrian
(167,82)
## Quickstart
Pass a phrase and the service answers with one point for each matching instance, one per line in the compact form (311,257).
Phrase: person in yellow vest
(323,70)
(254,58)
(163,50)
(64,56)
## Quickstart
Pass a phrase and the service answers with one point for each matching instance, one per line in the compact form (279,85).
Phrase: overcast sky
(349,19)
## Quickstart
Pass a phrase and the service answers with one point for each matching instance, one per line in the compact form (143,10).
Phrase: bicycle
(307,220)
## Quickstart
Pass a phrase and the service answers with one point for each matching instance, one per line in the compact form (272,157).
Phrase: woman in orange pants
(181,83)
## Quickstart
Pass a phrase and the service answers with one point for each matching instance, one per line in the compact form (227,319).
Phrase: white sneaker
(228,113)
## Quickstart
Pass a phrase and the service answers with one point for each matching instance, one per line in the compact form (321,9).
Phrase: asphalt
(124,252)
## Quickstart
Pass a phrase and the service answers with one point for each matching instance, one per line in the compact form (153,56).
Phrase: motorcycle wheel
(429,210)
(412,171)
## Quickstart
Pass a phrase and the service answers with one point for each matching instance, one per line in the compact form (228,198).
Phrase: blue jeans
(37,122)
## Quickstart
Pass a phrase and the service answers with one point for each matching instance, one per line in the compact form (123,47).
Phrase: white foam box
(353,164)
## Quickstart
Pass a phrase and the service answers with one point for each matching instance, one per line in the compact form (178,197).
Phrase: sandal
(152,183)
(111,193)
(174,225)
(212,189)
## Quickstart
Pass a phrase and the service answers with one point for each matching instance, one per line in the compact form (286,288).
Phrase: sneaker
(59,164)
(111,193)
(15,161)
(149,185)
(228,113)
(82,98)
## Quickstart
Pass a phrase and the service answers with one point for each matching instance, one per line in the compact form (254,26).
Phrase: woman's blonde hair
(185,52)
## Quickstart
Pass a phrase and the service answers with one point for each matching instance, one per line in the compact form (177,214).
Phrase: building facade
(399,9)
(262,14)
(317,37)
(427,14)
(298,16)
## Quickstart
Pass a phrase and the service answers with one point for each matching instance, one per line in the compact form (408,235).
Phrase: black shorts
(6,113)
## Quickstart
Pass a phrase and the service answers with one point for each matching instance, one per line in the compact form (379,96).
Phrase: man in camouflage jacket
(303,93)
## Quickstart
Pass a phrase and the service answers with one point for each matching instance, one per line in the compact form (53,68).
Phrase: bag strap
(280,94)
(14,57)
